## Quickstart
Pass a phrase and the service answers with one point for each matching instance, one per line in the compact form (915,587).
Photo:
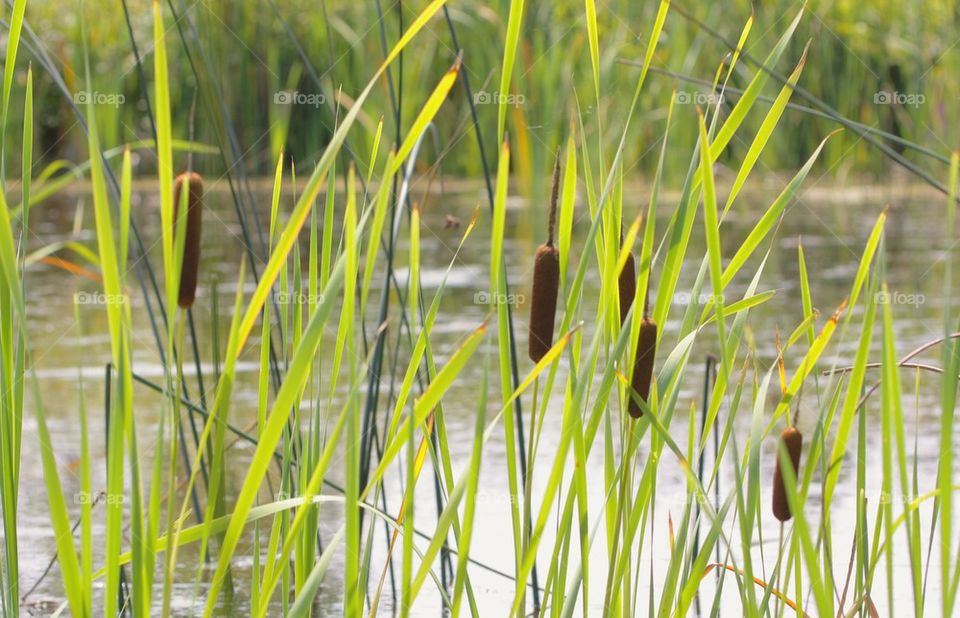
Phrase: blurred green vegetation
(887,64)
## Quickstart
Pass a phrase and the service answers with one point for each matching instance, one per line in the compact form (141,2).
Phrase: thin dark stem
(704,410)
(554,192)
(514,364)
(376,366)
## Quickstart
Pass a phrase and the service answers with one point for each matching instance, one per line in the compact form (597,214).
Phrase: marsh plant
(347,423)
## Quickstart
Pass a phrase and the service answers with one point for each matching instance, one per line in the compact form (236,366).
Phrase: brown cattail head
(191,241)
(543,301)
(792,440)
(643,364)
(546,283)
(627,285)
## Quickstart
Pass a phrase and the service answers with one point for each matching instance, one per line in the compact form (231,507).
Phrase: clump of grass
(791,440)
(546,283)
(191,241)
(552,517)
(643,362)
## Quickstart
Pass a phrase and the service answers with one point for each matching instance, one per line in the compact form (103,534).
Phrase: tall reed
(592,508)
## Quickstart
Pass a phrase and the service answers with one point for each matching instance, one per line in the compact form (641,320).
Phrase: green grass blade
(509,58)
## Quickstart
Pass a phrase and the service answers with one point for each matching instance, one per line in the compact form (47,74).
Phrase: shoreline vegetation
(347,423)
(284,64)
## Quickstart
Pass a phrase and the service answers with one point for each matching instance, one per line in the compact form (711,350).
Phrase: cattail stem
(191,242)
(554,194)
(791,440)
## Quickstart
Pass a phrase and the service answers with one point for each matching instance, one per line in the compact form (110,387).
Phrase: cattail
(191,241)
(546,284)
(627,285)
(643,364)
(792,440)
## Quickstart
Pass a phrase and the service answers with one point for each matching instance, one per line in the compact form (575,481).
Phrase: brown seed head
(543,301)
(643,365)
(792,440)
(191,241)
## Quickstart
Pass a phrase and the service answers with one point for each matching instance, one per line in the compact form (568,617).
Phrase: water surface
(833,225)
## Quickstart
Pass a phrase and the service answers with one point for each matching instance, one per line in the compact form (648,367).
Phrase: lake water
(833,223)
